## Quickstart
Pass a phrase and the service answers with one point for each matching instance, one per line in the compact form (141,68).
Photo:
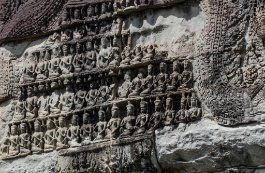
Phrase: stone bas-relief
(111,79)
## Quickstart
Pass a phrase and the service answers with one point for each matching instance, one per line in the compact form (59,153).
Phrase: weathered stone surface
(205,146)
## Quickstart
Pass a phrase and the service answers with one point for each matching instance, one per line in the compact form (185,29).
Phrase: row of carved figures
(101,91)
(89,11)
(50,66)
(87,31)
(122,121)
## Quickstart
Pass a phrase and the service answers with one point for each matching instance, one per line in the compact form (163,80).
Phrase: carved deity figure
(181,115)
(91,97)
(174,78)
(61,134)
(149,53)
(148,82)
(142,118)
(113,126)
(136,86)
(169,115)
(20,112)
(44,109)
(77,14)
(5,145)
(126,56)
(90,57)
(37,138)
(14,148)
(87,129)
(78,33)
(187,76)
(194,112)
(66,104)
(161,79)
(24,139)
(128,123)
(50,136)
(103,55)
(73,132)
(79,59)
(41,70)
(156,118)
(114,58)
(80,97)
(53,104)
(124,89)
(137,55)
(103,92)
(54,68)
(29,74)
(66,64)
(65,36)
(101,126)
(31,104)
(90,11)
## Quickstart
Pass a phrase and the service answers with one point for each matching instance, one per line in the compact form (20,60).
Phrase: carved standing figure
(24,139)
(14,148)
(169,115)
(66,64)
(90,57)
(79,59)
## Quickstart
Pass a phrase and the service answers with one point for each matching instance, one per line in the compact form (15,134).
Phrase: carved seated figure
(73,132)
(126,56)
(103,56)
(142,118)
(5,145)
(128,123)
(87,129)
(182,114)
(14,148)
(44,109)
(90,58)
(53,67)
(161,79)
(49,137)
(137,55)
(174,78)
(124,89)
(113,126)
(80,98)
(24,139)
(66,64)
(20,112)
(53,104)
(114,60)
(37,138)
(136,86)
(194,112)
(66,104)
(31,104)
(91,97)
(149,54)
(148,82)
(79,60)
(41,70)
(101,126)
(103,92)
(90,11)
(169,115)
(187,76)
(61,134)
(29,74)
(156,118)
